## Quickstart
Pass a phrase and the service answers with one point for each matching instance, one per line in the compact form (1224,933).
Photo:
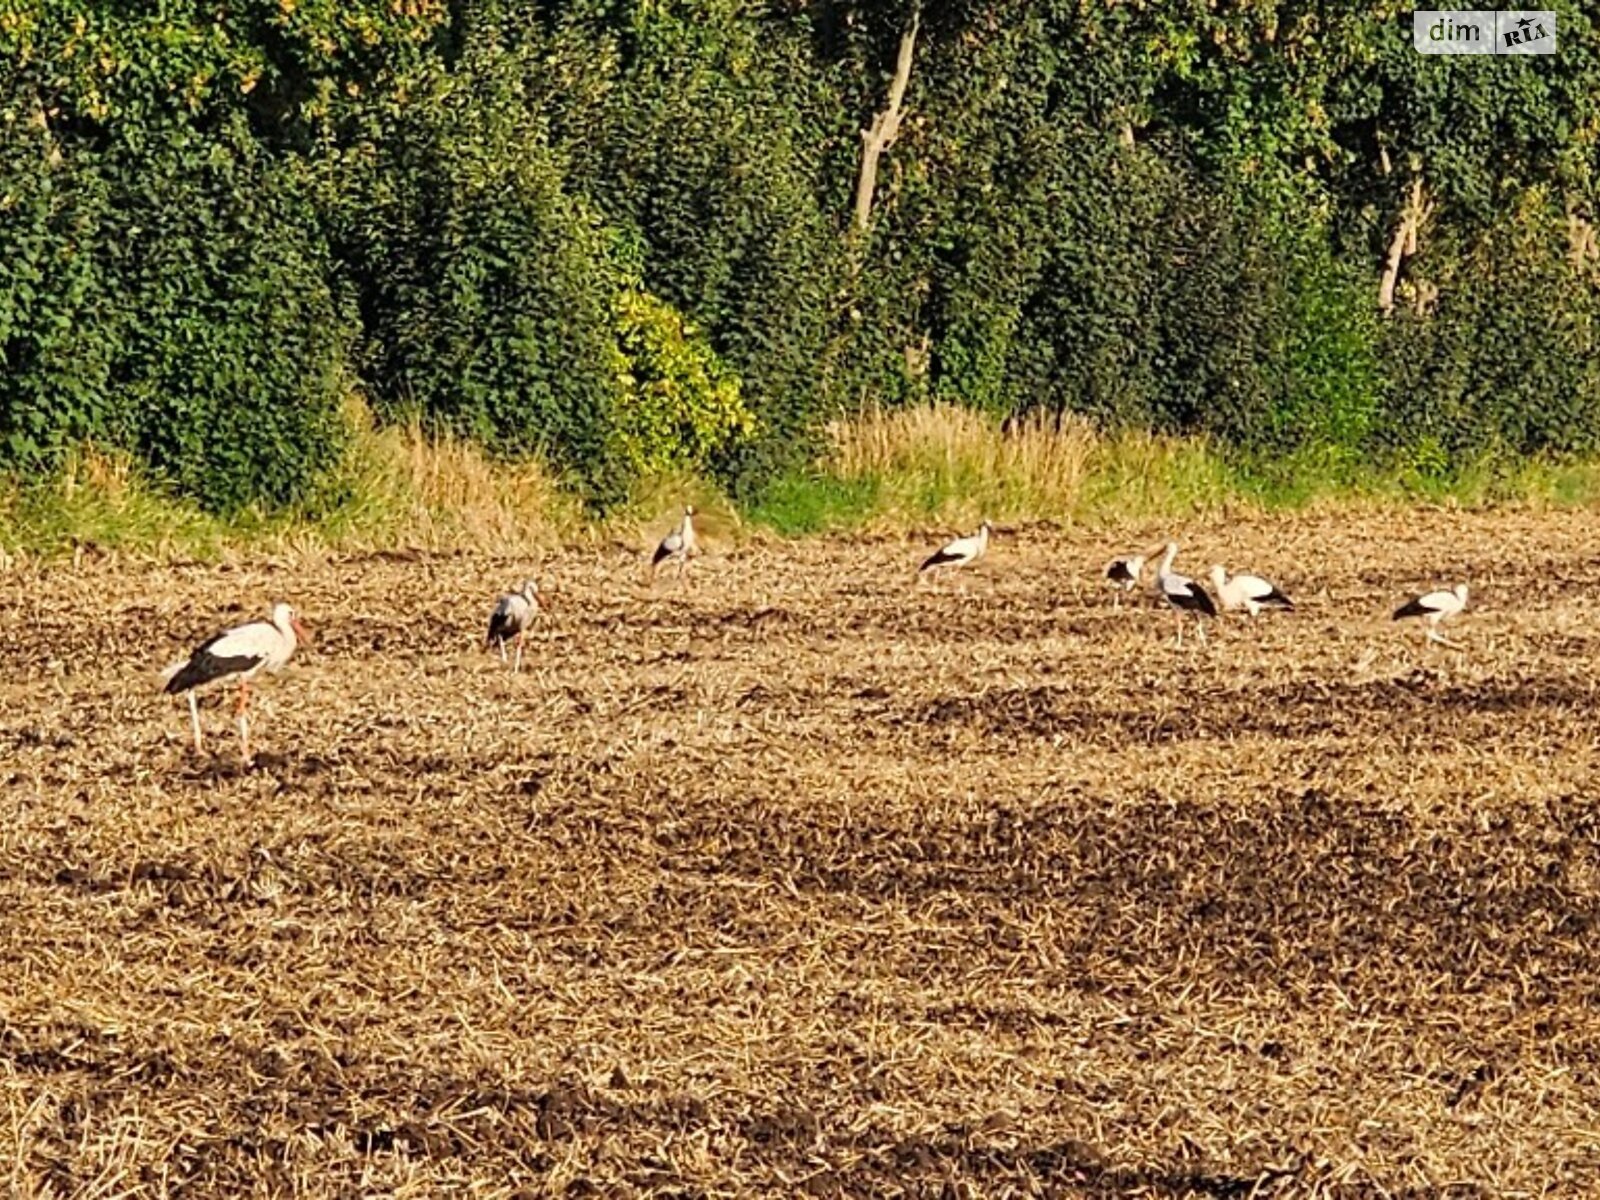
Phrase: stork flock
(239,655)
(1250,594)
(1253,595)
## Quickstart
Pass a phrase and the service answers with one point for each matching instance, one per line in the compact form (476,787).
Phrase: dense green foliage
(619,233)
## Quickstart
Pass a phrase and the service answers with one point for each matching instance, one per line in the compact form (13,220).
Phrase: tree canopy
(628,234)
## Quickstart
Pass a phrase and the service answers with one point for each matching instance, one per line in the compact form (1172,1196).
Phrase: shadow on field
(330,1102)
(1288,711)
(1284,886)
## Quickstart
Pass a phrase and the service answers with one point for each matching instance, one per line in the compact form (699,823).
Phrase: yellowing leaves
(677,403)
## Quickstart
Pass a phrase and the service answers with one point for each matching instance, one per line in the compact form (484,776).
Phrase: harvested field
(809,881)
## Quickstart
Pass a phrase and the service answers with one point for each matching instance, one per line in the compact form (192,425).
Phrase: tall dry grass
(99,499)
(396,488)
(400,487)
(409,487)
(927,457)
(944,461)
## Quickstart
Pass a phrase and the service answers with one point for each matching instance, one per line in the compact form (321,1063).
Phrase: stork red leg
(244,721)
(234,656)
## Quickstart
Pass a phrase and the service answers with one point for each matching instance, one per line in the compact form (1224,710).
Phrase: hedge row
(621,235)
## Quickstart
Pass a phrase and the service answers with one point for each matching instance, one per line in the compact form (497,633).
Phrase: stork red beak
(300,631)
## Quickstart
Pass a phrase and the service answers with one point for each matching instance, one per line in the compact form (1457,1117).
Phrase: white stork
(238,654)
(512,617)
(1184,595)
(678,546)
(1124,574)
(961,552)
(1435,607)
(1249,592)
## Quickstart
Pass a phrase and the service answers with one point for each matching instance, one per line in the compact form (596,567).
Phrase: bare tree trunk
(1581,241)
(1391,268)
(1403,243)
(886,125)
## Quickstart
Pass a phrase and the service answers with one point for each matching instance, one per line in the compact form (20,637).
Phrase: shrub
(167,295)
(57,341)
(1163,220)
(705,136)
(678,404)
(231,362)
(1504,361)
(486,290)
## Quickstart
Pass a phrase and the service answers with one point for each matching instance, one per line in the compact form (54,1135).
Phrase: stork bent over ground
(1249,592)
(513,615)
(1435,608)
(1124,573)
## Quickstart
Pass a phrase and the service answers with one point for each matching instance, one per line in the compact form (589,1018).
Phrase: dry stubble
(808,877)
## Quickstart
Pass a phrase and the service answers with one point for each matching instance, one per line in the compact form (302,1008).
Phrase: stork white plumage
(512,617)
(962,552)
(1184,595)
(1435,608)
(678,547)
(1248,592)
(237,655)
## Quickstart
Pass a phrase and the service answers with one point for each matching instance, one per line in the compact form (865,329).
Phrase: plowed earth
(810,880)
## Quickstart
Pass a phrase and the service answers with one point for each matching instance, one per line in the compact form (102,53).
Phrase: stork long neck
(1166,560)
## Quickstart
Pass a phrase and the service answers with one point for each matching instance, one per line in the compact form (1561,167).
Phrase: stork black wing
(938,559)
(500,626)
(1118,572)
(1195,600)
(205,667)
(1412,608)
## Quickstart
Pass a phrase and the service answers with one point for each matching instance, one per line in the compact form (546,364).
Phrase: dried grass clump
(407,486)
(100,499)
(951,462)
